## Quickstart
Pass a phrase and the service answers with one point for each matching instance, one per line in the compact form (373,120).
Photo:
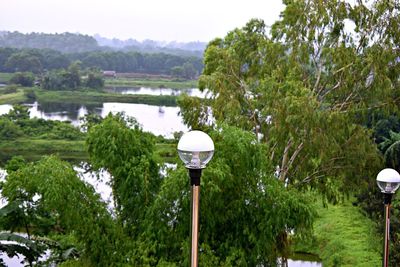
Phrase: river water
(158,120)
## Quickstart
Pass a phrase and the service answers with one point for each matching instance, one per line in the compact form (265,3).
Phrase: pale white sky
(167,20)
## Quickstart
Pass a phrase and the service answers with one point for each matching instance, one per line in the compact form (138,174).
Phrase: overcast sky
(168,20)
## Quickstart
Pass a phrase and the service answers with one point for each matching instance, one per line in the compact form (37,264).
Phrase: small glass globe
(195,149)
(388,181)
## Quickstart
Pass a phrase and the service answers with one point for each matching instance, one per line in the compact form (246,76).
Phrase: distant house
(110,73)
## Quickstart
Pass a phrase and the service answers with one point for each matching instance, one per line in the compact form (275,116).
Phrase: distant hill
(78,43)
(151,46)
(63,42)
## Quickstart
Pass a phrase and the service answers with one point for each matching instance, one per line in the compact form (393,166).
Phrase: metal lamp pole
(388,181)
(195,175)
(195,149)
(387,202)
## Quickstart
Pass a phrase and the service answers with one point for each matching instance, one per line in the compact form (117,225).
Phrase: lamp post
(388,181)
(195,148)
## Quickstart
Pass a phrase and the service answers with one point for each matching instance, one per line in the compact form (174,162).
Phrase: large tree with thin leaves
(304,87)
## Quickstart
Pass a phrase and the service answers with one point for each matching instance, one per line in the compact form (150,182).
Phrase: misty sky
(168,20)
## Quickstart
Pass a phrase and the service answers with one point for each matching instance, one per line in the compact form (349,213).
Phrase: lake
(160,122)
(155,91)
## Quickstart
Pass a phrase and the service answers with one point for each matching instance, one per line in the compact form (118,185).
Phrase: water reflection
(159,122)
(155,91)
(149,117)
(296,263)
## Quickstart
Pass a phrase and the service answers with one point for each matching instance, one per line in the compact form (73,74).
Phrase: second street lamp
(195,149)
(388,181)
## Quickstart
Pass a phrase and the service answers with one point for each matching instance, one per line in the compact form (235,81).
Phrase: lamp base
(195,175)
(387,198)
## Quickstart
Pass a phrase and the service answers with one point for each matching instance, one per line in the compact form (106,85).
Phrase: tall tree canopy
(304,87)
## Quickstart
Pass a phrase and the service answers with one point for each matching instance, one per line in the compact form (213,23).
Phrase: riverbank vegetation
(303,117)
(34,138)
(342,236)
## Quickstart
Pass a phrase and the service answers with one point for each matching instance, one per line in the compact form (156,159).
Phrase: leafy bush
(23,78)
(9,130)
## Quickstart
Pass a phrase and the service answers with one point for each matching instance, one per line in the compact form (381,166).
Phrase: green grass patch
(167,152)
(343,236)
(161,83)
(75,151)
(5,77)
(93,97)
(34,149)
(9,97)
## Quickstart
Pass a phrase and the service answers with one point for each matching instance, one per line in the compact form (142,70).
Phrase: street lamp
(388,181)
(195,148)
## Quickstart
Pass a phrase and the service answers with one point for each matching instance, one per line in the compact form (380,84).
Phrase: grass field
(343,236)
(93,97)
(34,149)
(75,151)
(5,77)
(12,98)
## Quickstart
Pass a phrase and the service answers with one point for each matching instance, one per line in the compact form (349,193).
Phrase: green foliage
(239,195)
(17,113)
(55,200)
(21,245)
(9,130)
(343,237)
(24,61)
(301,91)
(38,59)
(34,149)
(153,83)
(97,98)
(12,94)
(23,78)
(391,148)
(9,89)
(94,80)
(63,79)
(122,148)
(16,123)
(65,42)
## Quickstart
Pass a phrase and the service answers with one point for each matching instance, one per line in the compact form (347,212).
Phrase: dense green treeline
(309,89)
(151,217)
(64,42)
(41,60)
(76,43)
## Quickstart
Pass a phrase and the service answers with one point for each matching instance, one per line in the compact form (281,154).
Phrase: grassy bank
(75,151)
(343,236)
(160,83)
(94,97)
(6,97)
(34,149)
(5,77)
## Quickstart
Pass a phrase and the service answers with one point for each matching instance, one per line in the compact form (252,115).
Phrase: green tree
(122,148)
(189,71)
(302,90)
(24,62)
(9,130)
(17,113)
(177,71)
(50,198)
(23,78)
(239,195)
(391,150)
(94,80)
